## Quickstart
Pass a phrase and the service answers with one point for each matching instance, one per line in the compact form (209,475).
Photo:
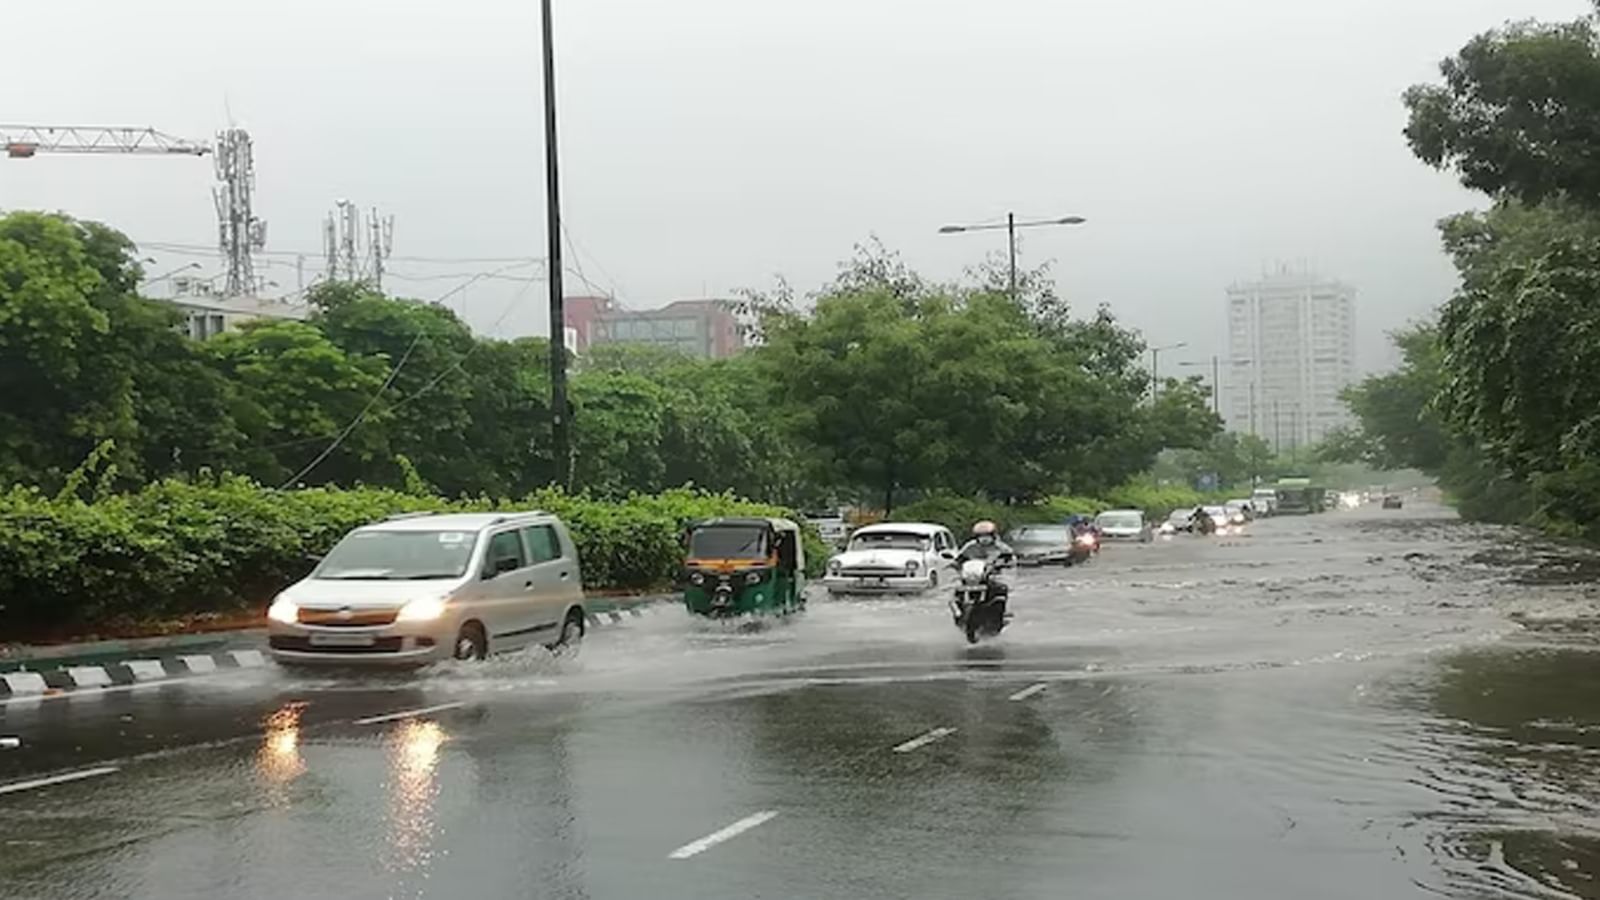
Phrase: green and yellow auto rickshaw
(744,566)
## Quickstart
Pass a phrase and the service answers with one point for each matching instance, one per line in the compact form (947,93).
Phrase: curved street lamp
(1011,225)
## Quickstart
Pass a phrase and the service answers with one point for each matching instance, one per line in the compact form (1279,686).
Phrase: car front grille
(872,572)
(350,618)
(304,645)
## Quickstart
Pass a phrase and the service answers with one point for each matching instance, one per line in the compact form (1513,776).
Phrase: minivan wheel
(470,642)
(571,632)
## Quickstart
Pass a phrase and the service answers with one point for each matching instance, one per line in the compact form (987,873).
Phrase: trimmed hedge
(178,548)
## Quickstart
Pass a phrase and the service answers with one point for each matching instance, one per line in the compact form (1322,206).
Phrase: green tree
(430,393)
(296,391)
(1518,112)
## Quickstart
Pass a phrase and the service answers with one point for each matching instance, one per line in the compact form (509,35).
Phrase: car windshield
(1180,515)
(1119,520)
(398,556)
(1042,534)
(729,542)
(889,540)
(1216,511)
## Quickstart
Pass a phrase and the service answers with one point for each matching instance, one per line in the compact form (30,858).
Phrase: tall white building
(1291,350)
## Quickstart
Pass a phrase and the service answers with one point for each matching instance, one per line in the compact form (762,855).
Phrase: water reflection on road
(1355,705)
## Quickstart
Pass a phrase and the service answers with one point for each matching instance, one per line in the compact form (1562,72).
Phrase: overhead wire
(372,401)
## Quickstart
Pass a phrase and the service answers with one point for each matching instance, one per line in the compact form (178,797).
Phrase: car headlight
(422,609)
(835,567)
(697,578)
(912,567)
(284,610)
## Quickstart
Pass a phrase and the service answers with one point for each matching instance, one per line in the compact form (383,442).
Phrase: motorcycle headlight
(283,610)
(912,567)
(752,578)
(697,578)
(422,609)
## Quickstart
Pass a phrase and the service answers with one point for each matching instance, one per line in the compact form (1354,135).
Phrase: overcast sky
(709,145)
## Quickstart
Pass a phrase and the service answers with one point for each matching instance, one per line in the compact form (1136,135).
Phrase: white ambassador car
(891,558)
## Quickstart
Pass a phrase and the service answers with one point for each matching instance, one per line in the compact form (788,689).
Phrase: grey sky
(711,144)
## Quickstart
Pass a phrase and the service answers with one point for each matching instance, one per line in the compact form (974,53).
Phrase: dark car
(1038,545)
(1393,501)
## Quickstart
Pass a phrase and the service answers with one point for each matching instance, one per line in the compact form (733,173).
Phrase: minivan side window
(543,543)
(504,550)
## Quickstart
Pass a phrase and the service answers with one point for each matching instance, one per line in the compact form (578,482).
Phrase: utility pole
(560,419)
(1216,385)
(1011,245)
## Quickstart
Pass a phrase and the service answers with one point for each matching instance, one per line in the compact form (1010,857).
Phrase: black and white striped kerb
(133,671)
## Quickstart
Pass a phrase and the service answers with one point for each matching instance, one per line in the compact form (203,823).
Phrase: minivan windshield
(729,542)
(398,556)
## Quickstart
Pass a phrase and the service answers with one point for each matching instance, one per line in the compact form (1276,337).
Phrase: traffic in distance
(419,588)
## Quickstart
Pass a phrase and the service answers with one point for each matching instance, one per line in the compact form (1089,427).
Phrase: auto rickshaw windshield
(729,542)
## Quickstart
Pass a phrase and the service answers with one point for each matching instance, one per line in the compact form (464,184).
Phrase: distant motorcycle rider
(1202,521)
(986,545)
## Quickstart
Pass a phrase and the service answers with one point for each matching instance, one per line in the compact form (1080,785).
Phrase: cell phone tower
(239,232)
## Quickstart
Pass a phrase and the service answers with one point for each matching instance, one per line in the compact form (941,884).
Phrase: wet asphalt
(1362,704)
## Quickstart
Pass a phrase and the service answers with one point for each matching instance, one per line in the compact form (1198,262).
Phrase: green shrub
(177,548)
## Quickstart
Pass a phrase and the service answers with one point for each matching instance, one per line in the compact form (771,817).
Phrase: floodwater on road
(1353,705)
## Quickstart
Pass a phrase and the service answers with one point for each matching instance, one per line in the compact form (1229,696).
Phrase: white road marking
(17,786)
(1027,692)
(717,837)
(10,743)
(407,714)
(923,741)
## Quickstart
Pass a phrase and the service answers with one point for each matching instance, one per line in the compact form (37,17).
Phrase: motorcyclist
(986,545)
(1202,521)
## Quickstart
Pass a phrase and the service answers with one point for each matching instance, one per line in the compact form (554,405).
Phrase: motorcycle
(978,610)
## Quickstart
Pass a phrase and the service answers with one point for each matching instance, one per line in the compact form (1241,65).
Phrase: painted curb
(15,685)
(43,682)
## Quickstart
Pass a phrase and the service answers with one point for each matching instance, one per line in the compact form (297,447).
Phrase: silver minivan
(419,588)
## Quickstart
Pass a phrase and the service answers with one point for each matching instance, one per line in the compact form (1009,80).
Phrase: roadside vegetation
(150,475)
(1497,396)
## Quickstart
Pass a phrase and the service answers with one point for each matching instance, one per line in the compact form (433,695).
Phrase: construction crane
(239,231)
(24,141)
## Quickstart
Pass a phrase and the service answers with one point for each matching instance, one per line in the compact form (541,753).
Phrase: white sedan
(891,558)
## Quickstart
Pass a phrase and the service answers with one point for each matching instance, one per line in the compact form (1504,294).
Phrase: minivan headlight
(422,609)
(283,610)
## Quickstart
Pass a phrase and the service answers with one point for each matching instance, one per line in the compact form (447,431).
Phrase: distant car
(1393,501)
(1038,545)
(1265,501)
(831,526)
(415,589)
(1220,517)
(1124,525)
(891,558)
(1178,520)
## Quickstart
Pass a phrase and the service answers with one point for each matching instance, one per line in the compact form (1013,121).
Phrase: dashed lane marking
(732,831)
(18,786)
(1029,691)
(918,743)
(408,714)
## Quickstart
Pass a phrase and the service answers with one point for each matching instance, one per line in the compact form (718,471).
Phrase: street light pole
(560,423)
(1216,383)
(1011,225)
(1155,367)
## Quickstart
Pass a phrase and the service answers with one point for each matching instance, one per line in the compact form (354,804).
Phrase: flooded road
(1354,705)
